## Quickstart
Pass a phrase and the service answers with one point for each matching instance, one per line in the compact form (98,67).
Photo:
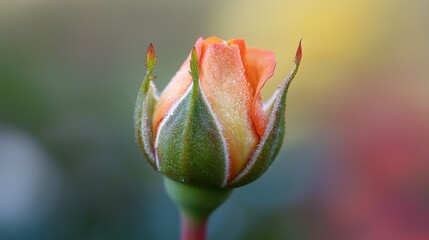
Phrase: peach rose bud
(209,127)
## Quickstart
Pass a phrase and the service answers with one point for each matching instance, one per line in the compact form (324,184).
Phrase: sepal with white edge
(190,147)
(144,108)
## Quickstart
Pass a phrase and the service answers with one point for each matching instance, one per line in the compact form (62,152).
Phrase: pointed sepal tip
(195,70)
(150,57)
(298,54)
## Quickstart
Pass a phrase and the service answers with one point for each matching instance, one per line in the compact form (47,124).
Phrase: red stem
(192,228)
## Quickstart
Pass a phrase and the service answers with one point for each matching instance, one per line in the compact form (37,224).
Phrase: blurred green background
(355,160)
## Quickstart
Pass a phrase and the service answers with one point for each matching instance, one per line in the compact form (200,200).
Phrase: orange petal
(224,83)
(175,89)
(259,68)
(242,46)
(213,39)
(206,43)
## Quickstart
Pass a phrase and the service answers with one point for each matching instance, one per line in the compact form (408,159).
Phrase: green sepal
(190,147)
(268,105)
(271,142)
(144,108)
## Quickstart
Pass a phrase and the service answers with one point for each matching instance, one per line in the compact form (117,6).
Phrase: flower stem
(192,228)
(195,205)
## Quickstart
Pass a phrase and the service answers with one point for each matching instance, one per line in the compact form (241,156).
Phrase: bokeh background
(355,160)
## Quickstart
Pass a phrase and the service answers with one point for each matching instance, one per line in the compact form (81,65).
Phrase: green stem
(195,205)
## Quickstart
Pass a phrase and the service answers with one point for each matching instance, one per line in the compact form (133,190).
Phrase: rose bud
(209,127)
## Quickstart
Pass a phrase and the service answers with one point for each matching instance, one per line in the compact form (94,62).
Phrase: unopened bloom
(209,126)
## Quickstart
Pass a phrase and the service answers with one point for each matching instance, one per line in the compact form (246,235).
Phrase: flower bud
(209,126)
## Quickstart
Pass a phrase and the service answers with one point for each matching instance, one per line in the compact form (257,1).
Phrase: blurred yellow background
(355,160)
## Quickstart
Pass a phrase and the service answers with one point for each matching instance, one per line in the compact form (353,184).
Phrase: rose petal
(259,68)
(206,43)
(243,50)
(224,83)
